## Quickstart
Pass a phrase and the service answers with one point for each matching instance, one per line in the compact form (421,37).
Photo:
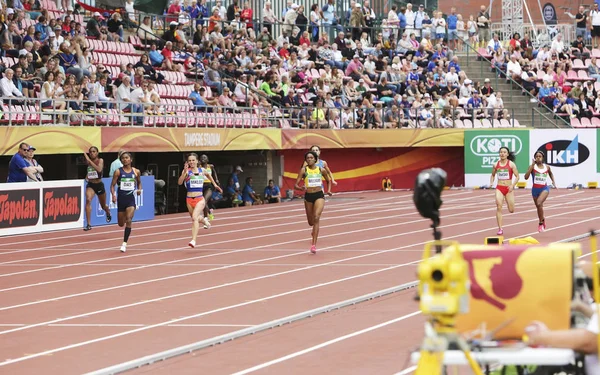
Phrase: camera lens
(437,275)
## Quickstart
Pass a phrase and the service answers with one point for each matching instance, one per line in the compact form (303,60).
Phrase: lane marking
(325,344)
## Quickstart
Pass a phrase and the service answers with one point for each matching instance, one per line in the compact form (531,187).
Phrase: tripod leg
(430,363)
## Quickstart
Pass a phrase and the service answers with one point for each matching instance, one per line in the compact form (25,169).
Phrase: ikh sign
(565,153)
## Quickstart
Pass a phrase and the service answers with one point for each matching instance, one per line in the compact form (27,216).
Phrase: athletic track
(71,303)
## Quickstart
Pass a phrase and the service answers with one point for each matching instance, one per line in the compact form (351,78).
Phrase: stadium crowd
(327,70)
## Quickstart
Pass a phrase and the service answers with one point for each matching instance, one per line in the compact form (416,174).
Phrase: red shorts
(193,201)
(503,189)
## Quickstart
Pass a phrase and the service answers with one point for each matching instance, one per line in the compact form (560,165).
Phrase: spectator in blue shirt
(18,168)
(249,195)
(451,22)
(272,193)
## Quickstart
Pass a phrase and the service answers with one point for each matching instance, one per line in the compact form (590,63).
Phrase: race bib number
(503,175)
(127,184)
(196,182)
(540,179)
(314,181)
(92,174)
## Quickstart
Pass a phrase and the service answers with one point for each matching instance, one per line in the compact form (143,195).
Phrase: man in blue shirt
(18,168)
(451,22)
(272,193)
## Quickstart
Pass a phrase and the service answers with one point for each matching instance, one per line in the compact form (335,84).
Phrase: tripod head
(427,197)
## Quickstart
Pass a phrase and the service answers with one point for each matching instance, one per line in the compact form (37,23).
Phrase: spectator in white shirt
(558,46)
(9,90)
(513,68)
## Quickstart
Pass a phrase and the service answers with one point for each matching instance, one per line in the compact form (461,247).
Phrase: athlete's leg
(540,205)
(308,207)
(102,201)
(510,201)
(89,195)
(318,207)
(197,216)
(499,203)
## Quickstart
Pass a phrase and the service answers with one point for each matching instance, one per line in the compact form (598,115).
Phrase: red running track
(72,303)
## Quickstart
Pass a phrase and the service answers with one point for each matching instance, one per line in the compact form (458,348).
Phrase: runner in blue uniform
(130,185)
(195,182)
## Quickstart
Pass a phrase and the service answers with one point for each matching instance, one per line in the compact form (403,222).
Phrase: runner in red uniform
(540,189)
(506,169)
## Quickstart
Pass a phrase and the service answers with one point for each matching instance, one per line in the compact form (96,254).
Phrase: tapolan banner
(513,286)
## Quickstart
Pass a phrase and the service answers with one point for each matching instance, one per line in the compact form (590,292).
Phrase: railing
(180,113)
(541,35)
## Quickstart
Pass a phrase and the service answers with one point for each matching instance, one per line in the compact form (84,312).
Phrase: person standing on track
(540,189)
(506,169)
(95,186)
(321,163)
(208,189)
(130,184)
(314,199)
(195,183)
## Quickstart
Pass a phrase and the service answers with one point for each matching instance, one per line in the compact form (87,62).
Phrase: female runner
(506,170)
(540,189)
(129,182)
(314,199)
(208,189)
(321,163)
(95,186)
(194,179)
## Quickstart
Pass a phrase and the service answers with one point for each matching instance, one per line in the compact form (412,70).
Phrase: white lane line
(128,325)
(219,268)
(209,244)
(325,344)
(177,320)
(52,351)
(213,269)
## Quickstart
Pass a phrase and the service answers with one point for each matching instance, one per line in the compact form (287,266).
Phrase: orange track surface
(72,303)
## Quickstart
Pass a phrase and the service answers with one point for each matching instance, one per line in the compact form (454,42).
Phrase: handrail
(500,73)
(544,115)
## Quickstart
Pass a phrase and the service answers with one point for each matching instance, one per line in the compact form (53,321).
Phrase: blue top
(194,182)
(15,169)
(272,191)
(127,182)
(246,194)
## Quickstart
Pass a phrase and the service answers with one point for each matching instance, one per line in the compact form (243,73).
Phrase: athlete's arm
(529,171)
(212,180)
(214,175)
(493,176)
(328,179)
(183,175)
(300,176)
(515,174)
(328,172)
(112,185)
(551,175)
(98,167)
(138,177)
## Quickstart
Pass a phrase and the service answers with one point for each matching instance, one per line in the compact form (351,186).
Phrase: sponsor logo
(506,283)
(202,139)
(565,153)
(488,147)
(62,205)
(19,208)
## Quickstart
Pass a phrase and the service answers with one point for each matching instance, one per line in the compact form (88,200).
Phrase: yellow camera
(444,282)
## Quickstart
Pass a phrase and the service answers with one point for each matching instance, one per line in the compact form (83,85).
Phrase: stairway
(519,105)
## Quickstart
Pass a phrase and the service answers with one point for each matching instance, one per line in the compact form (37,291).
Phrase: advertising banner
(509,288)
(367,138)
(31,207)
(482,152)
(49,139)
(189,139)
(363,169)
(144,204)
(571,153)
